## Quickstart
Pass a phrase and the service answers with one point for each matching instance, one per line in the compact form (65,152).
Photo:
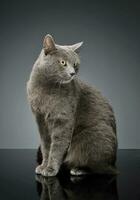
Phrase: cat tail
(39,156)
(109,170)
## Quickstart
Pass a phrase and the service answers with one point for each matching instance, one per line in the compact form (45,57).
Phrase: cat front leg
(45,143)
(45,154)
(60,140)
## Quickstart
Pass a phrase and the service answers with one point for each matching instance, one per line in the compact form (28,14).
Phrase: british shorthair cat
(76,123)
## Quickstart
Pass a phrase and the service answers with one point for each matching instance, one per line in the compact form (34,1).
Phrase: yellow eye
(63,62)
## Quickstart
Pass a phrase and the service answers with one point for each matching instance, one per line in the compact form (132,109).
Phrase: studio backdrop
(110,60)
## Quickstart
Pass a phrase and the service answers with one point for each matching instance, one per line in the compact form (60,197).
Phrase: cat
(76,123)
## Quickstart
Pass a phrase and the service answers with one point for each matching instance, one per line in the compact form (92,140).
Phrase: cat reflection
(77,188)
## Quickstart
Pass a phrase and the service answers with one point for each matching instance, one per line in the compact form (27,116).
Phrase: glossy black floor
(18,180)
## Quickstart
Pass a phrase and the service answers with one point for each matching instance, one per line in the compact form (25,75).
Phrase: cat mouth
(68,81)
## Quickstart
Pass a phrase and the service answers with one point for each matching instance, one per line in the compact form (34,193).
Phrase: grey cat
(76,123)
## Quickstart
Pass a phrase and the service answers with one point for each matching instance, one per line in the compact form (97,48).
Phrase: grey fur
(76,123)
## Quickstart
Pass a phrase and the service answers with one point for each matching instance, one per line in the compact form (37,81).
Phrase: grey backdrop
(110,59)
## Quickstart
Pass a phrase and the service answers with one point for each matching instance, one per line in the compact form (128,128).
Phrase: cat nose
(72,74)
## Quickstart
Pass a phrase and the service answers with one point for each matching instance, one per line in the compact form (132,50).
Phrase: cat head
(59,63)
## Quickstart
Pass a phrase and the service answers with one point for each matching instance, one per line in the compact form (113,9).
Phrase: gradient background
(110,59)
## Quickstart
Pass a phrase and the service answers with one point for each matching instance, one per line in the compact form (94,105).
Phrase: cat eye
(63,62)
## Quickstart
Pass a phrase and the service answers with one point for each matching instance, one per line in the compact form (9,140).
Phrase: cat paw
(39,169)
(77,172)
(48,171)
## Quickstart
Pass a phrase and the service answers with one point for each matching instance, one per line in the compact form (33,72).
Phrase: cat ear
(48,44)
(76,47)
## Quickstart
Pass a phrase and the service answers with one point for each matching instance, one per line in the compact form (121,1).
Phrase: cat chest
(43,104)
